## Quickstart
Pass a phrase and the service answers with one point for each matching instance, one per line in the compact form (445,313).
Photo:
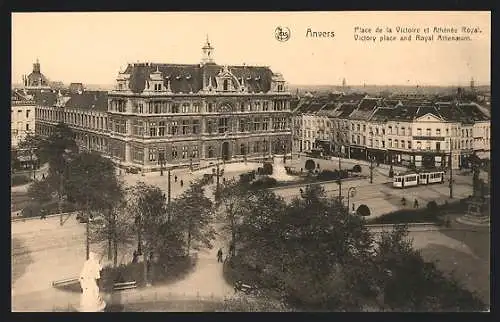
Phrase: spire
(207,52)
(36,66)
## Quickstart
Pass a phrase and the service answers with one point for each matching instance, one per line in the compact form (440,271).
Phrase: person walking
(415,204)
(182,183)
(219,255)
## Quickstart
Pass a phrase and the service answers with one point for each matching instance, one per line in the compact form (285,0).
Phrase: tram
(416,179)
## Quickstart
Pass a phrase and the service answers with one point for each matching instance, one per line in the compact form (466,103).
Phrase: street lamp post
(451,176)
(372,166)
(350,193)
(339,181)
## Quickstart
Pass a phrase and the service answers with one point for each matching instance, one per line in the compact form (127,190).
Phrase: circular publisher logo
(282,33)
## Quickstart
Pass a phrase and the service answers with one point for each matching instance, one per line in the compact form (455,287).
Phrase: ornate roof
(191,78)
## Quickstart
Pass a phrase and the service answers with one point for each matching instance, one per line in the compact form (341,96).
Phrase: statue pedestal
(97,307)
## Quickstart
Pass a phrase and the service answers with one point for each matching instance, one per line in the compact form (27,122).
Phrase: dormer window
(280,88)
(226,85)
(120,86)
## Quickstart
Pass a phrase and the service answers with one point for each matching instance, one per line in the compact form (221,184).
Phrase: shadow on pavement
(21,259)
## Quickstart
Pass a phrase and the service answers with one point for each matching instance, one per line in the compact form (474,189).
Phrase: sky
(93,47)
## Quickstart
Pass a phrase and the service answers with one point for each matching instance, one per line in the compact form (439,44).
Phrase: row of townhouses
(175,114)
(393,131)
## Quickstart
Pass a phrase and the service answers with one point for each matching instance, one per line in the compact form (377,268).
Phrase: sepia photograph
(328,161)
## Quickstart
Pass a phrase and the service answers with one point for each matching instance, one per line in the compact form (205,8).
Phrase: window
(265,125)
(152,129)
(352,127)
(195,153)
(438,132)
(383,143)
(157,108)
(137,154)
(161,128)
(390,143)
(185,108)
(358,127)
(141,108)
(174,152)
(152,154)
(210,152)
(265,106)
(174,128)
(184,152)
(402,144)
(390,129)
(27,127)
(364,128)
(223,125)
(196,126)
(137,128)
(419,132)
(428,132)
(403,131)
(447,132)
(383,131)
(196,108)
(409,145)
(438,146)
(376,131)
(27,114)
(280,88)
(396,144)
(175,108)
(419,145)
(397,130)
(353,139)
(210,107)
(185,127)
(226,85)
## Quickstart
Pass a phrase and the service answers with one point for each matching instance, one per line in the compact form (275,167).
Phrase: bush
(432,206)
(310,165)
(35,208)
(267,169)
(17,180)
(363,210)
(406,216)
(264,182)
(245,178)
(356,168)
(259,171)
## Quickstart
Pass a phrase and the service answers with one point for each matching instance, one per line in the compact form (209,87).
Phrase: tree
(310,165)
(195,213)
(91,184)
(232,207)
(55,146)
(408,283)
(320,257)
(40,191)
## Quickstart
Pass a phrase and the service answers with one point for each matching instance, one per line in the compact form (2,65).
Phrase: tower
(344,83)
(472,85)
(208,51)
(36,66)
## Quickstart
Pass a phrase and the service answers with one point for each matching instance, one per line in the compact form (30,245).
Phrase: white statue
(90,300)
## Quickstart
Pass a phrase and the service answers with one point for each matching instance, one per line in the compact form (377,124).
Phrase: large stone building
(413,132)
(180,114)
(22,119)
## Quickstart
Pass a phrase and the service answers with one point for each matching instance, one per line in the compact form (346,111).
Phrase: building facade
(172,115)
(422,134)
(22,116)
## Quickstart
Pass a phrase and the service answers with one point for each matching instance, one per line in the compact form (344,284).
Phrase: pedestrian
(415,204)
(43,176)
(223,180)
(135,257)
(219,255)
(231,248)
(182,183)
(301,170)
(175,178)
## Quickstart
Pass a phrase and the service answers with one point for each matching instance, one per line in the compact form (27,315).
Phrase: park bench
(245,288)
(124,286)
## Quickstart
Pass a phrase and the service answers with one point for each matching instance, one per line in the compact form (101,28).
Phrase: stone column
(203,150)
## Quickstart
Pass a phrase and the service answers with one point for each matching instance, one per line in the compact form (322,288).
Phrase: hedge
(333,175)
(34,209)
(17,180)
(264,182)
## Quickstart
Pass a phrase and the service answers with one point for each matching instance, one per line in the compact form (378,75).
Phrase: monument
(90,300)
(280,174)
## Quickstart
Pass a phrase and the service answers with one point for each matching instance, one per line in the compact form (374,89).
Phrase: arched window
(226,84)
(210,152)
(242,149)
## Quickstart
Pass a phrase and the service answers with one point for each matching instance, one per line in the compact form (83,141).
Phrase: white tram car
(415,179)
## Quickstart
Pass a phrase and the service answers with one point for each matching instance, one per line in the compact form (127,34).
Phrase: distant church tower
(472,88)
(208,52)
(344,83)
